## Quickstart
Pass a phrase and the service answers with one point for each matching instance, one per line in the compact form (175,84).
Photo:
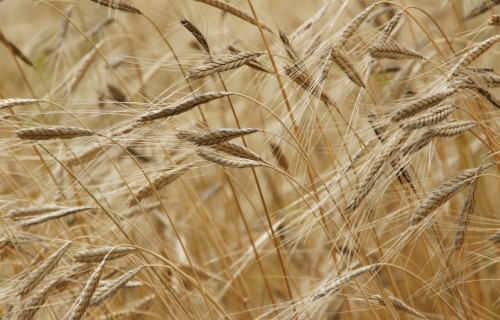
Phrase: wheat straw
(219,65)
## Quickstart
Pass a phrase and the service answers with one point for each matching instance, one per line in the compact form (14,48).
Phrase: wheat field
(249,159)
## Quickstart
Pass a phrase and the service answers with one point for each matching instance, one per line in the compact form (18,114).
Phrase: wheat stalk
(219,65)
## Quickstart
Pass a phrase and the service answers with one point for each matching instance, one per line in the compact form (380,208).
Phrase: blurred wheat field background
(249,159)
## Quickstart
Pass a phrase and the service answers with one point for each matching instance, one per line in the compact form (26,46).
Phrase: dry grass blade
(49,133)
(421,105)
(96,255)
(340,57)
(31,210)
(399,305)
(160,181)
(236,150)
(104,292)
(221,135)
(444,192)
(77,310)
(182,106)
(229,162)
(226,7)
(434,116)
(7,103)
(352,26)
(118,5)
(337,283)
(197,34)
(14,50)
(467,210)
(393,50)
(38,274)
(475,53)
(482,7)
(219,65)
(53,215)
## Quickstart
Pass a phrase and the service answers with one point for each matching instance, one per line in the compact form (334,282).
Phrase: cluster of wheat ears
(211,159)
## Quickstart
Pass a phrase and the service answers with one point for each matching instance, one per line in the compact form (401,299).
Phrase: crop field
(249,159)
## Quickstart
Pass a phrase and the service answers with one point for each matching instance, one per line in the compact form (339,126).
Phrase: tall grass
(249,159)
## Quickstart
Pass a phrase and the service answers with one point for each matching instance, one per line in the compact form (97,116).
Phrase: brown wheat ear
(221,135)
(229,63)
(96,255)
(197,34)
(118,5)
(434,116)
(340,57)
(444,192)
(421,105)
(48,133)
(226,161)
(393,50)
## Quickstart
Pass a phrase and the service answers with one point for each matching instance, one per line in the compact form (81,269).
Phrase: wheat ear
(467,210)
(351,27)
(337,283)
(41,271)
(310,22)
(219,65)
(236,150)
(482,7)
(96,255)
(182,106)
(340,57)
(389,26)
(49,133)
(444,192)
(77,310)
(226,7)
(400,305)
(118,5)
(425,119)
(495,238)
(421,105)
(53,215)
(476,52)
(31,210)
(393,50)
(163,179)
(106,291)
(197,34)
(221,135)
(226,161)
(7,103)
